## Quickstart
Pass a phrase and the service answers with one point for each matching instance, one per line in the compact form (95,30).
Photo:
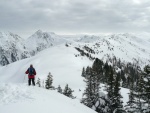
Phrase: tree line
(111,76)
(67,91)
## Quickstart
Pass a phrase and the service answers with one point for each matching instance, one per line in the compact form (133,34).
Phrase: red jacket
(30,76)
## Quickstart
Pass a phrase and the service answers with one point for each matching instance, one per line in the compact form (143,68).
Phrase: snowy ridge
(86,38)
(127,47)
(14,48)
(41,40)
(59,63)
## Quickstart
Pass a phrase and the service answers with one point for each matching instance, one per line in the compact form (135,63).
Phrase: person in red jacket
(31,75)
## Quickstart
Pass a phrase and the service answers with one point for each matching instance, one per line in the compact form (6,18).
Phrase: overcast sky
(24,17)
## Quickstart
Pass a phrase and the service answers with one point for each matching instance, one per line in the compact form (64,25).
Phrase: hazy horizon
(74,16)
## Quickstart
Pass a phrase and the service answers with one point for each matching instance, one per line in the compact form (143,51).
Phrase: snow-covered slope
(59,60)
(41,40)
(65,64)
(86,38)
(19,98)
(12,48)
(127,47)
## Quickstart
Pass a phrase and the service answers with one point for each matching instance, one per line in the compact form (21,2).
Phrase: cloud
(75,16)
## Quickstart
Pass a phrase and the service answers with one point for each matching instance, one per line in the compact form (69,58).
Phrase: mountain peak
(39,32)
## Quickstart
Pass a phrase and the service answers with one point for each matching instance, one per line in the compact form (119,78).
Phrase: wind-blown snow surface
(19,98)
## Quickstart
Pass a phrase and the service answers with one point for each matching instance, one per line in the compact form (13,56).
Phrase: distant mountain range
(127,47)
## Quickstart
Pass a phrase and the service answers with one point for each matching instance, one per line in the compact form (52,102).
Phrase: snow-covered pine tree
(83,72)
(109,87)
(91,93)
(49,81)
(124,84)
(87,71)
(131,107)
(106,72)
(38,82)
(102,105)
(117,102)
(95,90)
(86,99)
(68,92)
(147,88)
(59,89)
(87,95)
(139,94)
(97,68)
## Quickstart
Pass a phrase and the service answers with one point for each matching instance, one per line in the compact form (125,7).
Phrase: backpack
(31,71)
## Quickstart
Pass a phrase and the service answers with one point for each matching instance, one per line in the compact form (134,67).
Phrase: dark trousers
(29,81)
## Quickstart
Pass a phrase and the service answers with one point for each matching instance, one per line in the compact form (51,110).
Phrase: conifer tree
(49,81)
(147,87)
(117,102)
(139,97)
(68,92)
(140,94)
(59,89)
(106,71)
(38,82)
(91,93)
(110,82)
(86,100)
(83,72)
(97,68)
(109,88)
(131,104)
(87,71)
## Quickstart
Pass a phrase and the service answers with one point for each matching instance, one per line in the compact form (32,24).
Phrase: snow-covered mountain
(62,63)
(127,47)
(41,40)
(65,68)
(12,48)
